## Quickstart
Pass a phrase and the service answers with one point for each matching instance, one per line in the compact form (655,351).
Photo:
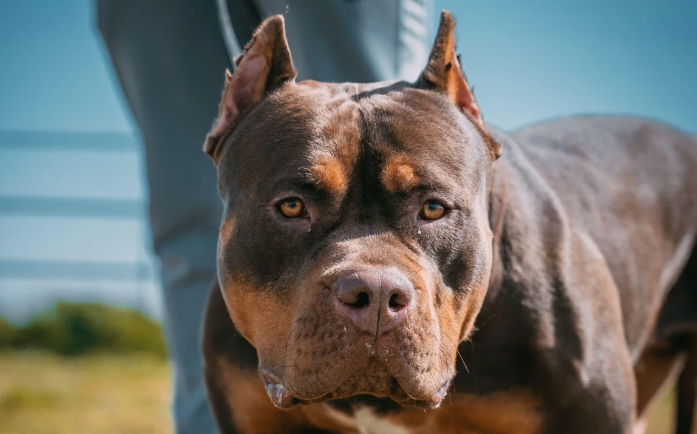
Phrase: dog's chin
(283,397)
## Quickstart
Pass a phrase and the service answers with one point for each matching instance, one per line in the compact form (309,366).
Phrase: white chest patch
(368,422)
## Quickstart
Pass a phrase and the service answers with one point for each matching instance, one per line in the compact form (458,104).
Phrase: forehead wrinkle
(335,146)
(399,135)
(444,147)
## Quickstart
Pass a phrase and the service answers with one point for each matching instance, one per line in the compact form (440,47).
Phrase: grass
(129,394)
(662,419)
(41,393)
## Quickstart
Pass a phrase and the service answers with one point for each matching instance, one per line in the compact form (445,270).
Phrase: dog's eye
(292,207)
(432,210)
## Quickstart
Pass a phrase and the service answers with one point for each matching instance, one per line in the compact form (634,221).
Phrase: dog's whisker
(463,361)
(457,349)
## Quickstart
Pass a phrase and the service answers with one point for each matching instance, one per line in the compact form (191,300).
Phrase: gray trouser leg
(170,56)
(359,40)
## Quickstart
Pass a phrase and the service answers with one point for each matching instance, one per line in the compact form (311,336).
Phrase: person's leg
(355,40)
(170,59)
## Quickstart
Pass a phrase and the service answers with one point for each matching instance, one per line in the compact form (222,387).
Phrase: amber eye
(292,207)
(432,210)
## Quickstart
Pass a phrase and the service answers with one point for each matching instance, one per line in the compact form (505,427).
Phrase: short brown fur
(525,308)
(399,175)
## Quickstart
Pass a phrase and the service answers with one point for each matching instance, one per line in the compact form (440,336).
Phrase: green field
(42,393)
(125,394)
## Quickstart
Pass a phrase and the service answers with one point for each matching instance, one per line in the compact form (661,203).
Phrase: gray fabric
(170,57)
(359,41)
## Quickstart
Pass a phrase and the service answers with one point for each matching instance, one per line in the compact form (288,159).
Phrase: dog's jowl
(388,263)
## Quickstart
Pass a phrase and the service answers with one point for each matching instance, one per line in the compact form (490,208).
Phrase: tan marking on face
(329,174)
(224,234)
(337,147)
(399,175)
(261,317)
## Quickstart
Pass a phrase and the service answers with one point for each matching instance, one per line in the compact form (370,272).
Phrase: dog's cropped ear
(263,67)
(443,73)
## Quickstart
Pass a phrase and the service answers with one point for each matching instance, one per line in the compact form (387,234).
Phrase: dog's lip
(435,400)
(432,402)
(281,397)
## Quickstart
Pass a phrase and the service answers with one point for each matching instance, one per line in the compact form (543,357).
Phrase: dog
(389,263)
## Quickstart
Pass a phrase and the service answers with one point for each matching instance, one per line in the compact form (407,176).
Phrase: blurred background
(80,302)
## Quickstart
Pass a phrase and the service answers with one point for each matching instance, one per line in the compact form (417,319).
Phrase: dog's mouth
(282,397)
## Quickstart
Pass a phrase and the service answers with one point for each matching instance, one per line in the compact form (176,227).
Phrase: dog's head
(355,249)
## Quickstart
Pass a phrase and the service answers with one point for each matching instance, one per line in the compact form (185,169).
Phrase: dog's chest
(368,422)
(500,413)
(364,420)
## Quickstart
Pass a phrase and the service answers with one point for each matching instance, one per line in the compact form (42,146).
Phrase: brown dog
(371,231)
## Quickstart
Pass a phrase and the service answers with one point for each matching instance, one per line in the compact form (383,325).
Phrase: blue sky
(528,61)
(54,73)
(540,59)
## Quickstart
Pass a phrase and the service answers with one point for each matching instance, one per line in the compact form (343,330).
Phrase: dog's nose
(374,299)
